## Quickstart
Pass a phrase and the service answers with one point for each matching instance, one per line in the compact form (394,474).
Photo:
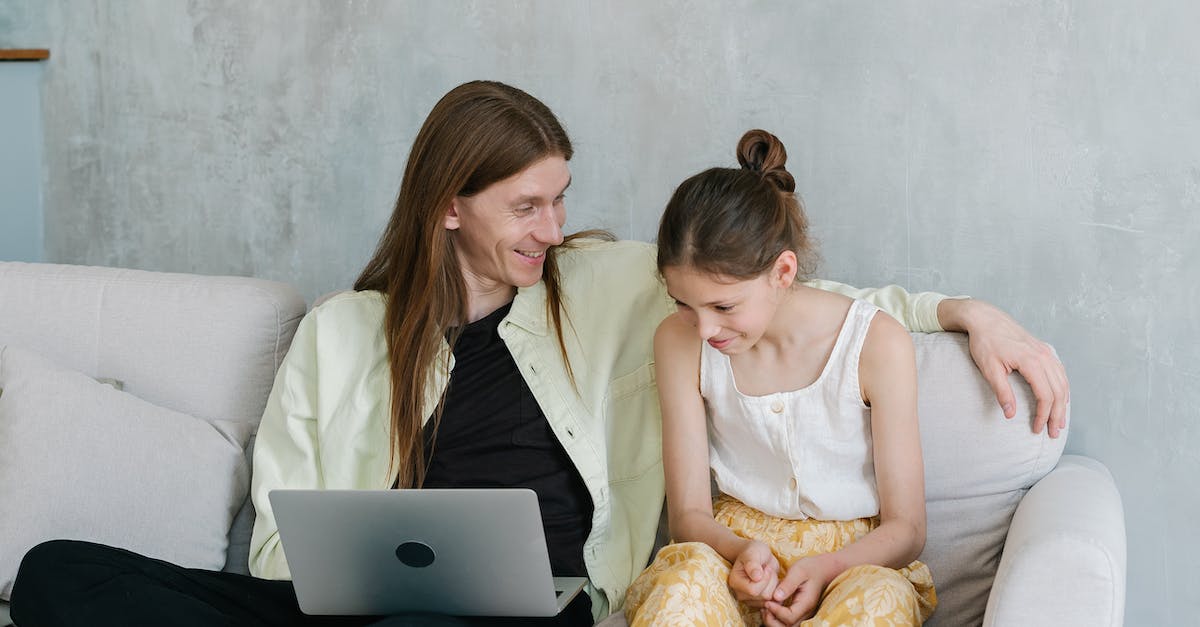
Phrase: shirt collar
(529,309)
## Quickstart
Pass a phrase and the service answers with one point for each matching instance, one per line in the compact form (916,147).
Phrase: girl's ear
(451,221)
(783,273)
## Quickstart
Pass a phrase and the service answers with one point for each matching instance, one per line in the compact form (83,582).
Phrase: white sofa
(1017,535)
(204,347)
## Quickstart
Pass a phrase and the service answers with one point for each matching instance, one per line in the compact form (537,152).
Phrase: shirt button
(792,482)
(777,407)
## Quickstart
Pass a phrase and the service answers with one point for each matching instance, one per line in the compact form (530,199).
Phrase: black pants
(68,583)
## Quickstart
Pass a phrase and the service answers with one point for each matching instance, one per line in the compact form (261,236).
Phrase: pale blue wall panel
(21,223)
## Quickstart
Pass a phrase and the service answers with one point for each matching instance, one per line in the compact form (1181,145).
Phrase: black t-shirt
(493,434)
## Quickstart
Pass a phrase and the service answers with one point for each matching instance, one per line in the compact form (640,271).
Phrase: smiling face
(502,233)
(732,315)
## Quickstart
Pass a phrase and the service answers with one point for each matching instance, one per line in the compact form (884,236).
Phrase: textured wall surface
(22,25)
(1044,155)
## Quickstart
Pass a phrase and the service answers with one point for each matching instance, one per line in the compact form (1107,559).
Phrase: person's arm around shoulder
(685,463)
(918,311)
(999,345)
(888,378)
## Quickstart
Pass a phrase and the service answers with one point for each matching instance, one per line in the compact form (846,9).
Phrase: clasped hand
(782,601)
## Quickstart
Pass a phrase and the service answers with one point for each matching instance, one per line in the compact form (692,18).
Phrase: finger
(812,603)
(743,589)
(783,591)
(1056,379)
(1066,381)
(752,603)
(997,378)
(1062,372)
(770,618)
(768,591)
(787,586)
(754,572)
(757,588)
(1062,397)
(1040,384)
(785,614)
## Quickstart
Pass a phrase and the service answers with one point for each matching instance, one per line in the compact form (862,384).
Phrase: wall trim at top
(24,54)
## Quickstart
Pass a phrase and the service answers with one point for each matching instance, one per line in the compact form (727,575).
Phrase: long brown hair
(735,222)
(479,133)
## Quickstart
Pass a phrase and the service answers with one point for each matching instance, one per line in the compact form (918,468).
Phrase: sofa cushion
(88,462)
(978,465)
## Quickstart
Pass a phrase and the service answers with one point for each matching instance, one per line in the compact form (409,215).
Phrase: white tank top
(799,454)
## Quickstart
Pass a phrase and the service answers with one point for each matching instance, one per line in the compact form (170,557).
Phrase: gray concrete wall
(22,25)
(1041,154)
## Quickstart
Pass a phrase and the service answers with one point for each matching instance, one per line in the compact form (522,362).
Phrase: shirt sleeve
(917,312)
(286,452)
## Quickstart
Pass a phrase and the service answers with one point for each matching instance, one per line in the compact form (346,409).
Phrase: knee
(886,593)
(46,560)
(691,552)
(698,560)
(43,569)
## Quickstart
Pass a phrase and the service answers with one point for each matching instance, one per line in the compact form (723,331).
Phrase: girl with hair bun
(802,403)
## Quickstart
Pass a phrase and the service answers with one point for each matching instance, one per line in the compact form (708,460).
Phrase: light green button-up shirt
(326,421)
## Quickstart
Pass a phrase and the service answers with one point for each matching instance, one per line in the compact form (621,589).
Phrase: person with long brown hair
(481,347)
(801,404)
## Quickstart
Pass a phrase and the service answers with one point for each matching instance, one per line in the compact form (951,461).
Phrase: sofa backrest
(205,346)
(978,465)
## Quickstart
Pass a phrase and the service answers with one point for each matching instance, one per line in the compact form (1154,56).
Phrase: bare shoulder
(675,340)
(887,367)
(676,364)
(887,339)
(674,331)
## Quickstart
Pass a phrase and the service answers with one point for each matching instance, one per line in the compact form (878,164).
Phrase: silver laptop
(464,552)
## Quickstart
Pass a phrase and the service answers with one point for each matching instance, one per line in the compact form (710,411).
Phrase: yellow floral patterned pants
(688,583)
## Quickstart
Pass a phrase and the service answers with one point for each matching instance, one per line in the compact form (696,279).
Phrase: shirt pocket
(634,424)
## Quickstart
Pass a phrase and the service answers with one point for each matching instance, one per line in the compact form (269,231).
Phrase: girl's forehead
(688,282)
(693,274)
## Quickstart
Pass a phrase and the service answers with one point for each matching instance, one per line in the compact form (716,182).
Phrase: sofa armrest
(1064,558)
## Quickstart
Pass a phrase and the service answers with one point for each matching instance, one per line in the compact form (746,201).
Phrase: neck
(484,297)
(793,319)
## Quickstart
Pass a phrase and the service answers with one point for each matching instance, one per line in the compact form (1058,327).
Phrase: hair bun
(761,152)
